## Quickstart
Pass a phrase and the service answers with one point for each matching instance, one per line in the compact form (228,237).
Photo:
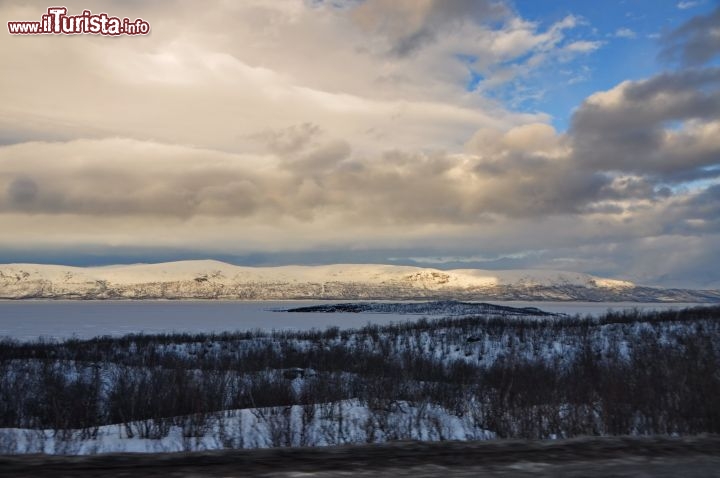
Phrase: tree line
(623,373)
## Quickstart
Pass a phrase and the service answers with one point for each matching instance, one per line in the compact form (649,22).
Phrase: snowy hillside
(460,378)
(218,280)
(341,423)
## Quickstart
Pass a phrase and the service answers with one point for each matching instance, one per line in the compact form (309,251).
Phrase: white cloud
(583,46)
(684,5)
(216,77)
(625,33)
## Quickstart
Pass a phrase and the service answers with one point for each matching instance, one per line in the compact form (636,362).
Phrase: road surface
(688,457)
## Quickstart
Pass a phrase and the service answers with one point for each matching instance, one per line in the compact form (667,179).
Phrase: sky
(549,134)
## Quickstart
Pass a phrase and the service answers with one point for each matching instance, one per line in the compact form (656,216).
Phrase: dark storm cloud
(631,129)
(695,42)
(21,192)
(538,186)
(699,214)
(677,83)
(410,24)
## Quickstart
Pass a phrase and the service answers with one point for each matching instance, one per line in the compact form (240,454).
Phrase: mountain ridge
(209,279)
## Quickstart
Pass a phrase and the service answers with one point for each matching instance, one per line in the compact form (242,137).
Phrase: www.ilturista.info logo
(58,22)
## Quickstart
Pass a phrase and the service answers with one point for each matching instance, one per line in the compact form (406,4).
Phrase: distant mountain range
(218,280)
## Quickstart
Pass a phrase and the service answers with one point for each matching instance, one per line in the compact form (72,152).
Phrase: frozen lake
(27,320)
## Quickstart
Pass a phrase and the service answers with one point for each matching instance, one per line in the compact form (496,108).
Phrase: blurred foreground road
(588,457)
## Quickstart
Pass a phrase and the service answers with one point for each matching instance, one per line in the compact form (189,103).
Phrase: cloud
(408,25)
(663,126)
(220,77)
(21,192)
(526,52)
(474,259)
(695,42)
(291,139)
(522,172)
(687,4)
(625,33)
(291,126)
(583,46)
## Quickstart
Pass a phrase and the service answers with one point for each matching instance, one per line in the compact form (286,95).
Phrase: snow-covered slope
(219,280)
(347,423)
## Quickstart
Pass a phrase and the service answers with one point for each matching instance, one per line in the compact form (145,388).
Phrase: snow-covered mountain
(218,280)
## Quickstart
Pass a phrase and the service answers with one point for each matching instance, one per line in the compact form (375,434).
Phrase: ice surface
(62,319)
